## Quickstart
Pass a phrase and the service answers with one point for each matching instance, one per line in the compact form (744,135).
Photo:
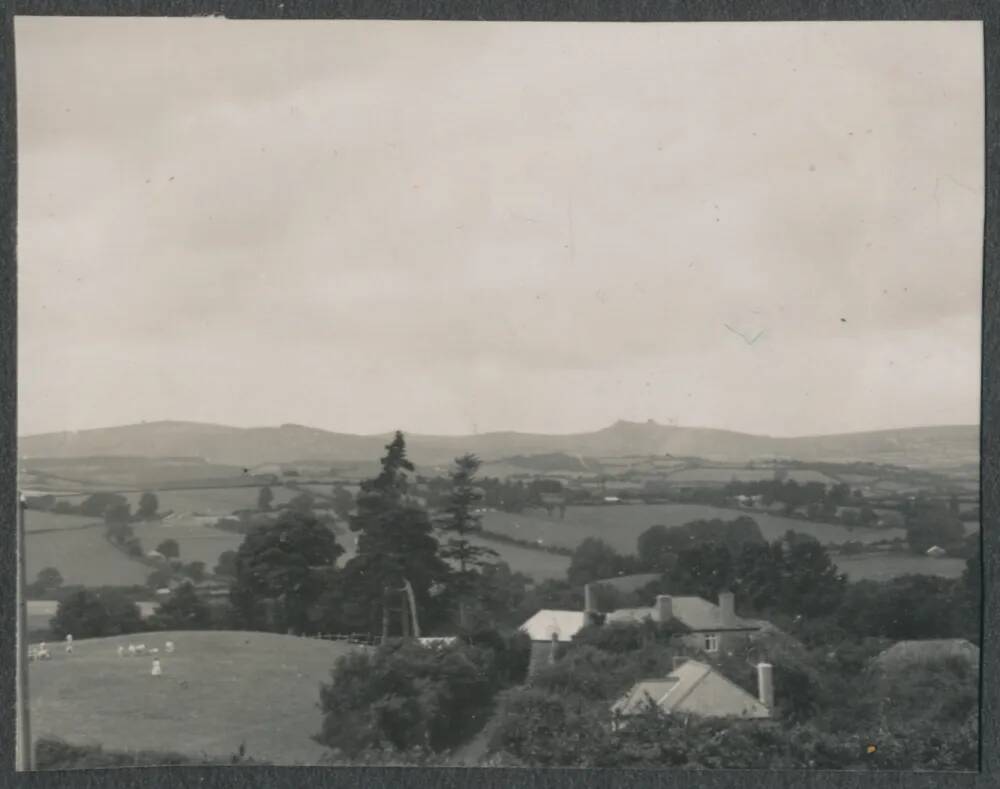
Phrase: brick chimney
(664,610)
(765,684)
(589,605)
(727,609)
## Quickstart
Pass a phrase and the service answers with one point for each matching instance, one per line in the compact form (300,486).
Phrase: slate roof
(693,612)
(694,688)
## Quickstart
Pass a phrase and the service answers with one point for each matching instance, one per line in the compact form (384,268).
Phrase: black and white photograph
(499,394)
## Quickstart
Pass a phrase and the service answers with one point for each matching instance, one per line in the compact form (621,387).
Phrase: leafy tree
(404,695)
(286,562)
(183,610)
(148,506)
(226,565)
(118,514)
(303,502)
(343,501)
(87,614)
(265,498)
(48,580)
(659,546)
(395,542)
(97,504)
(195,571)
(595,560)
(907,607)
(158,579)
(703,570)
(933,524)
(169,548)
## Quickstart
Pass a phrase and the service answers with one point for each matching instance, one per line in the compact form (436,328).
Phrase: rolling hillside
(249,447)
(209,699)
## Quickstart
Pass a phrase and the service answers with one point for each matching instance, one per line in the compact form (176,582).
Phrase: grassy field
(39,521)
(620,526)
(207,501)
(210,698)
(82,556)
(882,566)
(198,543)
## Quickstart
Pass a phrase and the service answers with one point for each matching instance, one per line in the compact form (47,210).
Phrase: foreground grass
(219,691)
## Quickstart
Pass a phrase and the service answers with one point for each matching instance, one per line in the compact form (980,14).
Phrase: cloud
(543,225)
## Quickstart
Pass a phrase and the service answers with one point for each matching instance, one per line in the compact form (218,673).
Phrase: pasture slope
(82,556)
(621,525)
(209,700)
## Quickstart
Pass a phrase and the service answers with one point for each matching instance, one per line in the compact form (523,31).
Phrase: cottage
(709,627)
(695,688)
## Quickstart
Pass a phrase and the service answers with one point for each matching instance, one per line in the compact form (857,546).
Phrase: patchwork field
(724,475)
(207,501)
(620,526)
(198,543)
(82,556)
(39,521)
(209,699)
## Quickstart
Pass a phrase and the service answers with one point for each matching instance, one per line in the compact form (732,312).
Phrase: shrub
(86,614)
(404,696)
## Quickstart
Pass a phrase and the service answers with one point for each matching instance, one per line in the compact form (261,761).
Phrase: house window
(711,642)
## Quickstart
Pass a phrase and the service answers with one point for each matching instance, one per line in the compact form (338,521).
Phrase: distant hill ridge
(918,446)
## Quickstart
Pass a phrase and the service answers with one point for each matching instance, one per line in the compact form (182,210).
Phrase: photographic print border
(526,10)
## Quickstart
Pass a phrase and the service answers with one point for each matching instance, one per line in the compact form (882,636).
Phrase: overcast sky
(459,227)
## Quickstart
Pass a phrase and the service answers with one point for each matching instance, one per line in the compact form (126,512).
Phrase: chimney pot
(727,609)
(765,684)
(664,608)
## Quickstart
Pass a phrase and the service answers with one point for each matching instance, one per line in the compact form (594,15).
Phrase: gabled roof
(693,612)
(565,624)
(693,688)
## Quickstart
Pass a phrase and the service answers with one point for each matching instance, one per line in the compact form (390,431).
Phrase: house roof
(694,688)
(927,651)
(693,612)
(565,624)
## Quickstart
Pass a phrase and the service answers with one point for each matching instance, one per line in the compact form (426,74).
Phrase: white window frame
(711,642)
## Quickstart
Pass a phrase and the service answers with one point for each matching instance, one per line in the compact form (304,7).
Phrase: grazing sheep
(131,650)
(154,651)
(140,649)
(168,647)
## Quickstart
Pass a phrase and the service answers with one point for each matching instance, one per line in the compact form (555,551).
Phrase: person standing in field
(69,643)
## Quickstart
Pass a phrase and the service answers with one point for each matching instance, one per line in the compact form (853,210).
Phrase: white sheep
(168,647)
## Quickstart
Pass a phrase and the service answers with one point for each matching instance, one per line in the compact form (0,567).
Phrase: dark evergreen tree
(395,546)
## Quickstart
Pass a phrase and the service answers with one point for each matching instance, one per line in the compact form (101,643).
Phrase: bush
(404,696)
(86,614)
(183,610)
